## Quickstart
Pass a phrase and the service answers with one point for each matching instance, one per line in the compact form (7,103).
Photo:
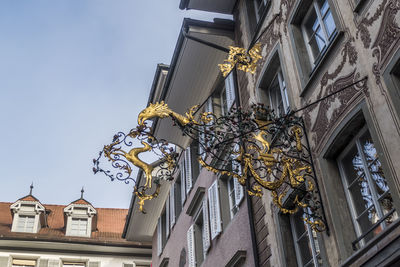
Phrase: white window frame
(23,208)
(314,7)
(82,224)
(72,213)
(23,262)
(375,198)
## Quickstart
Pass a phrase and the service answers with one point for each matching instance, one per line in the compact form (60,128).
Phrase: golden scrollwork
(243,60)
(271,167)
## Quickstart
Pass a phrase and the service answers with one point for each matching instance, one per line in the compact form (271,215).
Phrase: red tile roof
(110,225)
(81,201)
(29,198)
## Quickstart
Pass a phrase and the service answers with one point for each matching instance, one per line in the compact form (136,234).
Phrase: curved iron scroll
(272,153)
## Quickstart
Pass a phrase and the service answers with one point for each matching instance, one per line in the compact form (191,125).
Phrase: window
(314,30)
(79,226)
(318,29)
(25,224)
(198,236)
(305,241)
(273,89)
(161,233)
(28,216)
(79,219)
(23,263)
(74,264)
(367,192)
(255,13)
(277,94)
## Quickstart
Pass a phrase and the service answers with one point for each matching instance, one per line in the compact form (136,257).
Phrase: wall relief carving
(332,108)
(388,37)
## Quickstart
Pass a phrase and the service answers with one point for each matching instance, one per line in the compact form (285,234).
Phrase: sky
(72,74)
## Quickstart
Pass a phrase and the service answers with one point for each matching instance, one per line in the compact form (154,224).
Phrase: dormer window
(80,216)
(28,215)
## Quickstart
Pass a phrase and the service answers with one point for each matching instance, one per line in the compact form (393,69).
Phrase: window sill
(317,68)
(373,242)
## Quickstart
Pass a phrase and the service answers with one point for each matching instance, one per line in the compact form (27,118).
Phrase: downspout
(248,199)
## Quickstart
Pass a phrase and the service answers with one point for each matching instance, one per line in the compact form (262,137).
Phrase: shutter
(188,170)
(172,205)
(215,213)
(239,192)
(183,184)
(159,237)
(42,263)
(55,263)
(167,217)
(94,264)
(206,228)
(128,265)
(230,90)
(191,247)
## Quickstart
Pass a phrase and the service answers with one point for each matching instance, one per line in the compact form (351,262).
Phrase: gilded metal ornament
(254,146)
(243,60)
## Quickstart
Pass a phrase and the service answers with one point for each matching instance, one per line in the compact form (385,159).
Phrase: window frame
(311,241)
(355,142)
(357,116)
(327,39)
(306,70)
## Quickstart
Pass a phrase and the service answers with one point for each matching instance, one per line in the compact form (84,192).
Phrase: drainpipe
(248,199)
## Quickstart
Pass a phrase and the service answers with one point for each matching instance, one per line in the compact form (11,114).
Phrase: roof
(81,201)
(29,198)
(220,6)
(110,225)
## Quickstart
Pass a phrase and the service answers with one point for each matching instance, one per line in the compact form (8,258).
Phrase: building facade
(337,59)
(42,235)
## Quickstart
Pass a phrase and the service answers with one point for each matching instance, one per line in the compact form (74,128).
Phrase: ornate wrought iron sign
(253,146)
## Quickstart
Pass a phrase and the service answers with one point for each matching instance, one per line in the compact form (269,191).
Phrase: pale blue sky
(73,73)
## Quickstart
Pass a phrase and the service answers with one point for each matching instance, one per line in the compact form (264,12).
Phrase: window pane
(329,23)
(361,195)
(352,165)
(305,251)
(324,6)
(366,220)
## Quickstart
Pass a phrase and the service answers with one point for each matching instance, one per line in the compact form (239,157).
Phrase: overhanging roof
(140,227)
(188,81)
(218,6)
(193,73)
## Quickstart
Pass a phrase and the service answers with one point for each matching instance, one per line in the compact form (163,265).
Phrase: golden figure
(243,60)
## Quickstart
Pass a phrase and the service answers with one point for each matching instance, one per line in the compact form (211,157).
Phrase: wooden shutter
(94,264)
(172,205)
(206,228)
(215,212)
(42,263)
(167,218)
(56,263)
(188,170)
(159,236)
(183,179)
(191,247)
(230,90)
